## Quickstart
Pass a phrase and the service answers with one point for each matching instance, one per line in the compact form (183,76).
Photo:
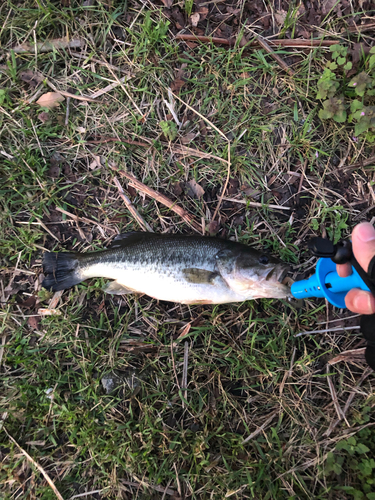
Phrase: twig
(67,111)
(296,43)
(228,145)
(83,219)
(261,428)
(272,53)
(328,330)
(349,356)
(39,467)
(103,63)
(131,207)
(174,367)
(89,493)
(169,491)
(108,88)
(185,369)
(255,204)
(184,150)
(300,182)
(69,94)
(334,424)
(160,198)
(288,373)
(120,82)
(360,164)
(47,46)
(332,390)
(103,140)
(177,480)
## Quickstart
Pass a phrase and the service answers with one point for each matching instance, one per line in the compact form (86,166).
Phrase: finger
(344,270)
(363,240)
(360,302)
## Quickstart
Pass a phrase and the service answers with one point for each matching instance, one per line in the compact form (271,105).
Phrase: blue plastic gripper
(327,283)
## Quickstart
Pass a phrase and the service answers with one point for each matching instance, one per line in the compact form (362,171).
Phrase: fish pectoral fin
(115,288)
(199,276)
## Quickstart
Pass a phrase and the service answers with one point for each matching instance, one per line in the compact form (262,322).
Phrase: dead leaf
(65,3)
(213,228)
(352,356)
(203,12)
(186,139)
(194,19)
(202,128)
(95,163)
(194,190)
(43,117)
(34,322)
(55,162)
(132,191)
(31,78)
(167,3)
(177,84)
(50,100)
(49,312)
(327,6)
(81,130)
(179,80)
(280,17)
(29,303)
(233,186)
(177,189)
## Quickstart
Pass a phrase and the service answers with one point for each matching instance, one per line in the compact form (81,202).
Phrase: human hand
(363,242)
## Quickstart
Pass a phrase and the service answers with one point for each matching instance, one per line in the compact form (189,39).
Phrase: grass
(246,368)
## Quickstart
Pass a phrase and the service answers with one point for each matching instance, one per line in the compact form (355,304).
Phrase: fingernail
(362,302)
(366,232)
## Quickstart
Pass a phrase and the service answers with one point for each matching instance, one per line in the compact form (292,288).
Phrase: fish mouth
(277,274)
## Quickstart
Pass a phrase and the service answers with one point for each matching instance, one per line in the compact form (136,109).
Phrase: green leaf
(169,129)
(372,61)
(361,127)
(333,65)
(337,469)
(336,48)
(372,50)
(362,448)
(348,65)
(324,114)
(341,61)
(370,496)
(356,105)
(340,117)
(360,82)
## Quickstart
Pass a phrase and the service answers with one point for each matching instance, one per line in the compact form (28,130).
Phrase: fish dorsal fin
(115,288)
(199,276)
(125,239)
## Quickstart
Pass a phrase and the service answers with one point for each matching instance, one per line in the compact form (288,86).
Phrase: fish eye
(263,259)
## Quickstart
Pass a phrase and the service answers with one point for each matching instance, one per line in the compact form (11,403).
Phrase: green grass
(245,363)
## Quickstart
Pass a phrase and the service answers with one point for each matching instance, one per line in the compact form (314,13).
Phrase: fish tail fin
(61,270)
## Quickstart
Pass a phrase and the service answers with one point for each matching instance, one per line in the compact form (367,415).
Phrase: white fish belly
(166,285)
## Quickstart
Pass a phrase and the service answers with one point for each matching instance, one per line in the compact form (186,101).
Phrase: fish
(176,268)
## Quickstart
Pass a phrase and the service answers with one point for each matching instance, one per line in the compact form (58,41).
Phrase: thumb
(363,240)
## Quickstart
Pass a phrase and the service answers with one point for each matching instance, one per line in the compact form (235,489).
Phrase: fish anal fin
(115,288)
(199,276)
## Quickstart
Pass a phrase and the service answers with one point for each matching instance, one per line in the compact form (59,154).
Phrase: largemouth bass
(176,268)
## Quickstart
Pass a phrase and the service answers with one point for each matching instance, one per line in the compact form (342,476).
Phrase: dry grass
(260,416)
